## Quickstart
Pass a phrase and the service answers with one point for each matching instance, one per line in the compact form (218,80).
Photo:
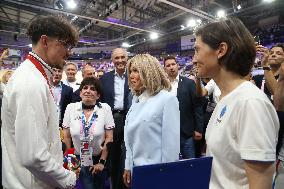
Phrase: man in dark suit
(116,94)
(62,96)
(191,113)
(61,92)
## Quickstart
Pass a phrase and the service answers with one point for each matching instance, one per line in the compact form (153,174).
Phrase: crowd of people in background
(143,111)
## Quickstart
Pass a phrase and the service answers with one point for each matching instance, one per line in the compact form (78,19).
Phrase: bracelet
(266,68)
(102,161)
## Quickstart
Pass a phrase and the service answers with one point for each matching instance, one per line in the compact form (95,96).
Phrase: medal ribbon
(39,67)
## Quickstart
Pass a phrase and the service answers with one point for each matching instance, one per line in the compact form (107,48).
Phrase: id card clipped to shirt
(86,152)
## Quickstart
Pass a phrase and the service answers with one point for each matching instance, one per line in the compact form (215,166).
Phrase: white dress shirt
(119,82)
(213,88)
(57,91)
(31,146)
(175,85)
(74,85)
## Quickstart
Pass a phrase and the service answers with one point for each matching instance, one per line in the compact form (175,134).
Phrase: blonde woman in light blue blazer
(152,126)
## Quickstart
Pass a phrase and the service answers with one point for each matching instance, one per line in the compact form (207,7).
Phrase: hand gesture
(197,135)
(265,54)
(77,172)
(127,178)
(97,168)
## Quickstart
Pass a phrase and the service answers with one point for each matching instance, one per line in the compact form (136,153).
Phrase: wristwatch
(266,68)
(102,161)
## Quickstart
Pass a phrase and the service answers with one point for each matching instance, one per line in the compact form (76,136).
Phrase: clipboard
(184,174)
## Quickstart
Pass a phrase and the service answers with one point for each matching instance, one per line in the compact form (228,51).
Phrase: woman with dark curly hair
(89,124)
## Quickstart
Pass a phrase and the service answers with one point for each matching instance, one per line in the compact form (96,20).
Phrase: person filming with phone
(271,62)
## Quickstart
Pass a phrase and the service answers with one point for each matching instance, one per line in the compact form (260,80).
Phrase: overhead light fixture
(191,23)
(71,4)
(59,4)
(74,18)
(125,45)
(182,27)
(239,7)
(199,21)
(268,1)
(154,35)
(221,14)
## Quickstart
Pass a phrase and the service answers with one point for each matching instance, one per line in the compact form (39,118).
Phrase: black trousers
(117,152)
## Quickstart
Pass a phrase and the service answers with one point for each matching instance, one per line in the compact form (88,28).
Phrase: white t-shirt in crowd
(73,120)
(243,126)
(212,87)
(74,85)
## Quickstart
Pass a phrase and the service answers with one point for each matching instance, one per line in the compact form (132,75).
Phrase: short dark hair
(281,45)
(241,51)
(93,82)
(52,26)
(169,58)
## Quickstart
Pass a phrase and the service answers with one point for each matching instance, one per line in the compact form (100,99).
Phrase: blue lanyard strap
(84,123)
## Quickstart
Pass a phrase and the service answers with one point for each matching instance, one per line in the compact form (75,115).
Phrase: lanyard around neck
(39,67)
(86,127)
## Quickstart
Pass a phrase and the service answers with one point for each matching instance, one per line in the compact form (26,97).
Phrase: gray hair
(71,63)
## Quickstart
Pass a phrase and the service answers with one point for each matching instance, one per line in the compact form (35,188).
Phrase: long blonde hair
(152,75)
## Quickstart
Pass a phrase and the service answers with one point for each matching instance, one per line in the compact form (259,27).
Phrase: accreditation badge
(86,153)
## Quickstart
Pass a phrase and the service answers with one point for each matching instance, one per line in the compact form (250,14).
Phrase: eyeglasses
(67,45)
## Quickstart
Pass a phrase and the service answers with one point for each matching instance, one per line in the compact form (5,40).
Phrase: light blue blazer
(152,131)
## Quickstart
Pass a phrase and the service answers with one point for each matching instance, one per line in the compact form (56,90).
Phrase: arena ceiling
(111,22)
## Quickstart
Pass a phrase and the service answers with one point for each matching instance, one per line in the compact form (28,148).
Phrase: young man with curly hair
(32,155)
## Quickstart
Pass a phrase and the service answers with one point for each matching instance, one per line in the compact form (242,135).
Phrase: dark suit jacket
(108,91)
(76,96)
(66,98)
(191,110)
